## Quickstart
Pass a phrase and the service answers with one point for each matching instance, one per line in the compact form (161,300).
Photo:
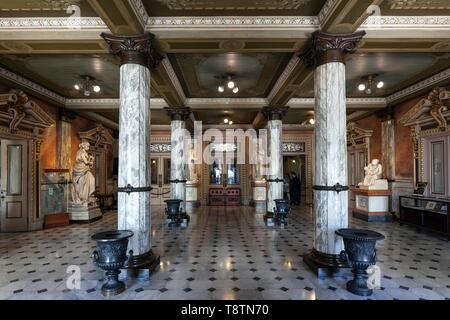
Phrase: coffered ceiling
(258,51)
(60,73)
(253,73)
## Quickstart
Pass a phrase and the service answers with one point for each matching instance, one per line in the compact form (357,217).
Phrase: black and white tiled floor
(225,253)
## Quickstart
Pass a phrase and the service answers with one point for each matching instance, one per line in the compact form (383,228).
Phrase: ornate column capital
(137,49)
(275,112)
(328,47)
(178,113)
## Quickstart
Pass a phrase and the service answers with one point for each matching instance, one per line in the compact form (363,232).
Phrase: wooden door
(13,185)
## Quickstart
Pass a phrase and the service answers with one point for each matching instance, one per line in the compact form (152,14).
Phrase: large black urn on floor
(174,211)
(281,210)
(360,253)
(111,256)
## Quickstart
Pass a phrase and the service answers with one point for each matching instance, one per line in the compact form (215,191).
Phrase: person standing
(286,186)
(295,189)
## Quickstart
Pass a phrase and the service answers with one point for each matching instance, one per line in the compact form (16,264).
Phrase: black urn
(360,253)
(281,210)
(111,256)
(174,211)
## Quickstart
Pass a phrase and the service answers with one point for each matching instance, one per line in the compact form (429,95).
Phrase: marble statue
(82,177)
(373,173)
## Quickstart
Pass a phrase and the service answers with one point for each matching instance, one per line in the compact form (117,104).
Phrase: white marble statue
(372,179)
(82,177)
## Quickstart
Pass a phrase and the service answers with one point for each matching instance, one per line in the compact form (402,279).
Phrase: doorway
(224,184)
(160,179)
(297,164)
(13,185)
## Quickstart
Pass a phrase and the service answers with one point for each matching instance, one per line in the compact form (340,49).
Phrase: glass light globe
(312,121)
(380,84)
(220,89)
(96,88)
(230,123)
(361,87)
(77,87)
(230,84)
(236,89)
(225,120)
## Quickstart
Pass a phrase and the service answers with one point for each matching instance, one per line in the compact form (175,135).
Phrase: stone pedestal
(192,195)
(84,213)
(372,205)
(326,56)
(259,195)
(134,147)
(274,114)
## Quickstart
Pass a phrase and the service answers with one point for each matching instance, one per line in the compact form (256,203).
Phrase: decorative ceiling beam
(99,118)
(345,16)
(123,17)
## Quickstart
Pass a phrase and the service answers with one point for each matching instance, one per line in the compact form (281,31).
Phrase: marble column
(178,156)
(64,139)
(327,57)
(274,114)
(134,144)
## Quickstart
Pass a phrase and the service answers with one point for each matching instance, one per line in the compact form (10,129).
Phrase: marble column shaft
(330,207)
(134,155)
(275,189)
(177,161)
(64,145)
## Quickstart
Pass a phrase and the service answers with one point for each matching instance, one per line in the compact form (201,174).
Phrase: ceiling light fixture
(230,123)
(312,121)
(225,120)
(87,85)
(229,84)
(367,87)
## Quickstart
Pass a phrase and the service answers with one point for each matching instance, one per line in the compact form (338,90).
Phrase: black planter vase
(111,256)
(360,253)
(281,210)
(174,211)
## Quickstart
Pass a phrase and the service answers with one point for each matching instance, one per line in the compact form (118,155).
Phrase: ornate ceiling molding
(107,104)
(284,76)
(326,10)
(52,23)
(15,78)
(400,22)
(433,80)
(242,21)
(173,78)
(140,11)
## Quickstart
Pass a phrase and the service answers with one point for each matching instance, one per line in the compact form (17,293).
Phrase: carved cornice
(275,112)
(328,47)
(178,113)
(133,49)
(98,136)
(11,76)
(356,135)
(441,76)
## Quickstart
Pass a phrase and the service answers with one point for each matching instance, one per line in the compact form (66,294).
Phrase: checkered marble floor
(225,253)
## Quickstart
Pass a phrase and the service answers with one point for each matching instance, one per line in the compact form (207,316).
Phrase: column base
(326,265)
(143,265)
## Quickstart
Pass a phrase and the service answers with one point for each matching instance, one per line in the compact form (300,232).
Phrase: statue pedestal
(84,213)
(259,195)
(192,195)
(372,205)
(380,184)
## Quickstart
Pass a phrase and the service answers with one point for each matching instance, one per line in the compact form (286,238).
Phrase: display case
(428,213)
(54,197)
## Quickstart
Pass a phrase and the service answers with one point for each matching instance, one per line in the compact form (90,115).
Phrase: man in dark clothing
(295,189)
